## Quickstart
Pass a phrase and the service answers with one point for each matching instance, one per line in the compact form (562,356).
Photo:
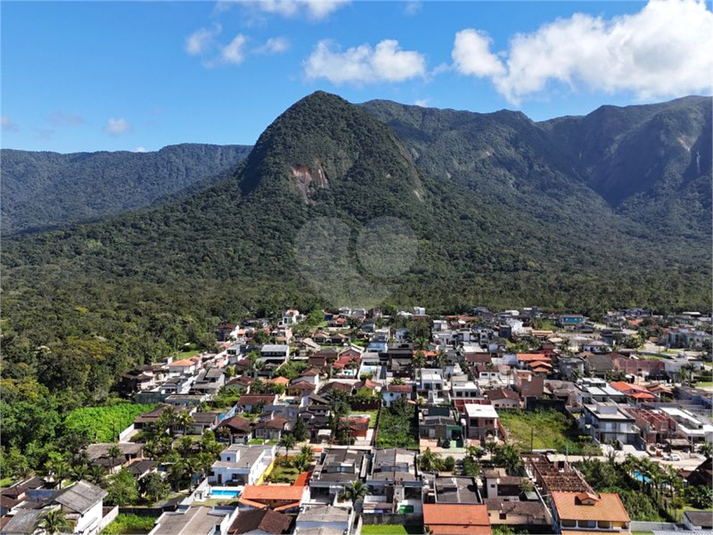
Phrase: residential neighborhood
(355,421)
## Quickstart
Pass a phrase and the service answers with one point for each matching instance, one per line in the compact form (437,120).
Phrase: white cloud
(471,55)
(8,125)
(64,119)
(202,40)
(234,52)
(364,64)
(664,50)
(274,45)
(313,9)
(423,102)
(116,127)
(140,149)
(413,7)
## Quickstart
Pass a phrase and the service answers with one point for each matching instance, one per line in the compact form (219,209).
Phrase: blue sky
(87,76)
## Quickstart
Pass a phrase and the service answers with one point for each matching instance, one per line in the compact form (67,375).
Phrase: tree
(114,453)
(526,485)
(299,431)
(419,359)
(475,452)
(449,464)
(97,475)
(56,521)
(287,441)
(123,490)
(706,449)
(354,491)
(183,420)
(154,487)
(508,456)
(420,343)
(429,461)
(58,467)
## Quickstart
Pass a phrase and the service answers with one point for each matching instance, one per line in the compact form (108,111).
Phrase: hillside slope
(47,189)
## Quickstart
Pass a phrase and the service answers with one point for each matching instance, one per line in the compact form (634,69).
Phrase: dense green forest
(45,189)
(501,212)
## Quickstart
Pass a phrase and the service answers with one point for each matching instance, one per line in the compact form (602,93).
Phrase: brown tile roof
(254,399)
(404,389)
(260,519)
(236,422)
(608,507)
(443,519)
(502,393)
(272,492)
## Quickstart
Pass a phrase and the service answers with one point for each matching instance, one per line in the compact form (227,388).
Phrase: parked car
(672,457)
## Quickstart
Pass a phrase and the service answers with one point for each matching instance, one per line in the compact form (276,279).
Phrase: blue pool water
(224,493)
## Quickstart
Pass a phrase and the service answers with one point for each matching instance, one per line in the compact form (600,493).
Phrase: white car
(672,457)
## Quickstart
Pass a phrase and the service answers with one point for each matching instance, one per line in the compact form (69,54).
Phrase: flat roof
(475,410)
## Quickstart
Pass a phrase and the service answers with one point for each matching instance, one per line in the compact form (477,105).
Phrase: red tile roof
(448,519)
(607,508)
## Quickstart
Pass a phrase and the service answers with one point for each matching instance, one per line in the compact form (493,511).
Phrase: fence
(387,518)
(108,516)
(126,433)
(650,526)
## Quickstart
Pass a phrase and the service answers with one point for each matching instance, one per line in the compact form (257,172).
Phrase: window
(569,523)
(604,524)
(503,516)
(587,523)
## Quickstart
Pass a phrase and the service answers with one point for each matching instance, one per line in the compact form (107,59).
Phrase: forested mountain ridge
(46,189)
(501,212)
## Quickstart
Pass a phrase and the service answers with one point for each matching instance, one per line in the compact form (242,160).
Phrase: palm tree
(419,359)
(287,441)
(354,491)
(441,359)
(97,475)
(526,485)
(428,461)
(183,420)
(420,343)
(56,521)
(114,453)
(491,446)
(706,449)
(508,456)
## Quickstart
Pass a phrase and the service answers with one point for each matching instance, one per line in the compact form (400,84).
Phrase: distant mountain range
(582,213)
(43,190)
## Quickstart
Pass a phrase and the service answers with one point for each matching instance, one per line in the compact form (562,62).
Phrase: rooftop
(456,518)
(194,521)
(579,506)
(475,410)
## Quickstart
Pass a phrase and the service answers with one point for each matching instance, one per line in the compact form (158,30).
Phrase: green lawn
(283,474)
(372,417)
(129,524)
(386,529)
(187,354)
(544,429)
(704,383)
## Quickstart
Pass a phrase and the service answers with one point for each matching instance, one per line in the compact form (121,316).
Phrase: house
(281,498)
(599,365)
(98,454)
(209,381)
(634,393)
(498,484)
(439,423)
(195,521)
(250,402)
(464,389)
(82,504)
(260,522)
(346,388)
(503,398)
(275,353)
(597,390)
(431,380)
(336,468)
(242,465)
(698,520)
(184,366)
(607,422)
(271,427)
(689,426)
(454,490)
(16,494)
(655,427)
(516,513)
(358,426)
(577,511)
(481,421)
(394,484)
(454,519)
(227,331)
(236,429)
(702,475)
(570,321)
(652,368)
(203,421)
(142,467)
(324,519)
(571,368)
(394,392)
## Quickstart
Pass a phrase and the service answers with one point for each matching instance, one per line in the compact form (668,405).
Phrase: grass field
(372,417)
(704,383)
(103,424)
(129,524)
(543,429)
(386,529)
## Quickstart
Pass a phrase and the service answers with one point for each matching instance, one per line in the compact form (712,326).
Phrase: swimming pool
(641,477)
(224,493)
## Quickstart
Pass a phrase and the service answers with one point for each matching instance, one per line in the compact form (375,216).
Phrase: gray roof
(194,521)
(457,490)
(97,451)
(320,531)
(81,497)
(703,519)
(324,513)
(23,522)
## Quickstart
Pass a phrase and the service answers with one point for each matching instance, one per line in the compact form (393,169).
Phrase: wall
(126,433)
(108,518)
(381,518)
(650,526)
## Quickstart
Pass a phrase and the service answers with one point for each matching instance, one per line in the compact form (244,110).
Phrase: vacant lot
(386,529)
(543,430)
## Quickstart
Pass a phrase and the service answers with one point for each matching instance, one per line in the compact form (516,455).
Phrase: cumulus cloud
(202,40)
(234,52)
(8,125)
(664,50)
(119,126)
(274,45)
(363,64)
(471,55)
(313,9)
(140,149)
(423,102)
(58,118)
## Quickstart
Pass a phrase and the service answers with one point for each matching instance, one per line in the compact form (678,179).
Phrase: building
(394,483)
(577,511)
(324,519)
(517,513)
(195,521)
(503,398)
(393,392)
(453,519)
(260,522)
(336,468)
(481,421)
(242,465)
(607,423)
(439,423)
(281,498)
(275,353)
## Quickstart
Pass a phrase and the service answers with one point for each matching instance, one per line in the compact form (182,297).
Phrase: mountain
(342,204)
(47,189)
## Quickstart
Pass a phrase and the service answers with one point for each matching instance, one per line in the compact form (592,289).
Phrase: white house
(277,353)
(325,519)
(432,379)
(242,465)
(393,392)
